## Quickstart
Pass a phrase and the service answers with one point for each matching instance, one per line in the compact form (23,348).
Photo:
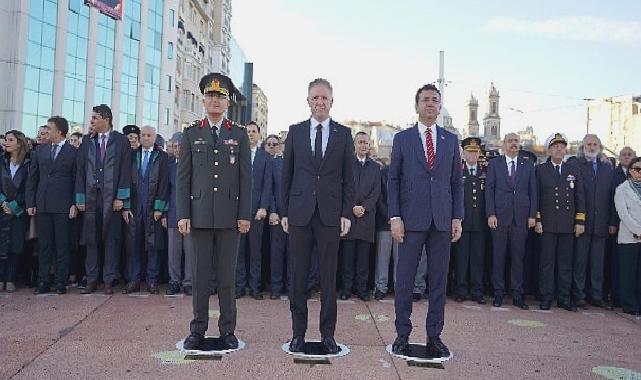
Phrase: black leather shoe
(479,300)
(187,290)
(108,290)
(330,345)
(42,288)
(566,305)
(365,297)
(498,301)
(61,289)
(459,298)
(132,287)
(344,296)
(297,344)
(89,288)
(230,342)
(153,288)
(193,341)
(581,304)
(240,293)
(417,297)
(436,346)
(378,295)
(258,296)
(520,303)
(274,297)
(400,345)
(173,289)
(597,303)
(545,305)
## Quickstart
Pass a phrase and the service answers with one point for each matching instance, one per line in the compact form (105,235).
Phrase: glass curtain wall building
(64,57)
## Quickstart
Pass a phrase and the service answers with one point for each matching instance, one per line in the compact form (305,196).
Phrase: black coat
(50,187)
(618,178)
(561,199)
(367,190)
(306,187)
(599,195)
(382,212)
(13,228)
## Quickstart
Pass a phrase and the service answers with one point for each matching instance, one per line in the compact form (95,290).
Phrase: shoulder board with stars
(194,123)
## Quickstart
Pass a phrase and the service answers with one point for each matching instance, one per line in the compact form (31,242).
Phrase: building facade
(527,137)
(65,57)
(617,121)
(492,120)
(473,122)
(259,110)
(381,136)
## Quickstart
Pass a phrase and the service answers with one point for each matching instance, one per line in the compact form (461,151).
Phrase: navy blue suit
(249,253)
(278,238)
(427,201)
(512,204)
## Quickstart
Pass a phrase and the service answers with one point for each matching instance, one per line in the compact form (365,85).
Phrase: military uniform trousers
(469,257)
(213,250)
(556,250)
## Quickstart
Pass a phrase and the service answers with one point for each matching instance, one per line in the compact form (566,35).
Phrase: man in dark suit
(318,195)
(278,252)
(213,202)
(598,187)
(356,246)
(510,202)
(149,184)
(425,200)
(560,218)
(50,196)
(250,252)
(469,251)
(103,180)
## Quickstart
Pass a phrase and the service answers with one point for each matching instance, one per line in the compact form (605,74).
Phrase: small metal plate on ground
(315,353)
(417,356)
(211,348)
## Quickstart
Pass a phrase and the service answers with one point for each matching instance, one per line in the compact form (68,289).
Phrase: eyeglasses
(273,144)
(636,169)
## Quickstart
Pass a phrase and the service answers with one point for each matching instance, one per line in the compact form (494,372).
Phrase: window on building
(170,50)
(169,83)
(172,16)
(166,116)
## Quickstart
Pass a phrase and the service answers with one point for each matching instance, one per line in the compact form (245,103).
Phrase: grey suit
(214,191)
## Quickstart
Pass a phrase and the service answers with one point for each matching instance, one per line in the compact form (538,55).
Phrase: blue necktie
(145,162)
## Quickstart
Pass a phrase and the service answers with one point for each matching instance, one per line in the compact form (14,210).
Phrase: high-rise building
(617,121)
(492,120)
(62,57)
(259,109)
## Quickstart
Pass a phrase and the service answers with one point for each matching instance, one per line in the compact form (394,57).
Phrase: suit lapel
(331,140)
(440,147)
(417,145)
(504,169)
(305,129)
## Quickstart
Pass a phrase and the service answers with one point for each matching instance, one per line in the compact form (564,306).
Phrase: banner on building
(112,8)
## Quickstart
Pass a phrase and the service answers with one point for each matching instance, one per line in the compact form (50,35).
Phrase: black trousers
(54,232)
(355,265)
(469,256)
(279,260)
(213,250)
(250,257)
(556,249)
(514,238)
(589,253)
(629,256)
(302,239)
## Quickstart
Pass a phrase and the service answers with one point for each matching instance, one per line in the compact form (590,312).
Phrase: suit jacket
(511,203)
(561,199)
(276,205)
(599,195)
(172,222)
(420,196)
(261,181)
(329,187)
(367,189)
(50,187)
(214,180)
(13,191)
(474,190)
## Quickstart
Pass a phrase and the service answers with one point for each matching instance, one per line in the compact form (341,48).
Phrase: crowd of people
(100,209)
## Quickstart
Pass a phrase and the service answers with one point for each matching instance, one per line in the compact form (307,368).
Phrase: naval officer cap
(556,138)
(216,83)
(127,129)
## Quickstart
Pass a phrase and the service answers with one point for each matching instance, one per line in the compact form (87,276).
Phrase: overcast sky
(544,57)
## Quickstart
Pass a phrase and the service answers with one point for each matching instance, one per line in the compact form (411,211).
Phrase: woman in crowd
(627,200)
(14,221)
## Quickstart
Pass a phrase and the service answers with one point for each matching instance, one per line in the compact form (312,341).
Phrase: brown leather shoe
(132,287)
(152,288)
(91,286)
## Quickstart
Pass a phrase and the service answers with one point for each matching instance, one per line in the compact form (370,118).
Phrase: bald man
(149,182)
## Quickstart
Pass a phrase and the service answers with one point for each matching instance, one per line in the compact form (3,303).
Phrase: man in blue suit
(425,198)
(250,253)
(510,205)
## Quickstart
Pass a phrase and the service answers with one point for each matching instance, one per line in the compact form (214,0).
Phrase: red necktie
(430,148)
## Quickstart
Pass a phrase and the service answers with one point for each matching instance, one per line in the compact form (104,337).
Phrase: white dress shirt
(60,144)
(218,125)
(324,133)
(421,132)
(509,161)
(253,151)
(472,167)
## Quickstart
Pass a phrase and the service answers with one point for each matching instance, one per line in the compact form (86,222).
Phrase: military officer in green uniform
(213,199)
(559,219)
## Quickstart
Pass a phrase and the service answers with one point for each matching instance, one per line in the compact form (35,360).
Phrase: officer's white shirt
(324,133)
